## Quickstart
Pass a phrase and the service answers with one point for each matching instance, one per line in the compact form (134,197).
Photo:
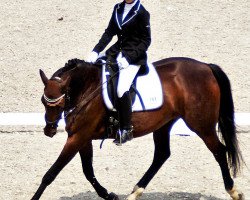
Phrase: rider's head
(129,1)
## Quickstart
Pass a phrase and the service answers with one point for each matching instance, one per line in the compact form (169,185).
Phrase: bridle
(78,107)
(52,124)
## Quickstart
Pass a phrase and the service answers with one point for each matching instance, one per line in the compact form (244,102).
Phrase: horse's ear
(43,77)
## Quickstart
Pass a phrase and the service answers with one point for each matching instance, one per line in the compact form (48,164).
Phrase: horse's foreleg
(69,151)
(161,154)
(86,154)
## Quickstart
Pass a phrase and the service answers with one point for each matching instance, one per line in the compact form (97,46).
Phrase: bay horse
(197,92)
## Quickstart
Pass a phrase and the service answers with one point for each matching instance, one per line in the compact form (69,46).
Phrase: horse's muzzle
(49,131)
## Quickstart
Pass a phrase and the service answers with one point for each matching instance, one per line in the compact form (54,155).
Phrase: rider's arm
(107,35)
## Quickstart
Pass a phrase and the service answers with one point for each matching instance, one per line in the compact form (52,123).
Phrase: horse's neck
(84,80)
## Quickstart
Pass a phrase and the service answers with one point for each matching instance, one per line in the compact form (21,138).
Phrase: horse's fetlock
(101,191)
(112,196)
(229,183)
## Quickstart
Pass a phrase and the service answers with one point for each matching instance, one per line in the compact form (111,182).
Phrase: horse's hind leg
(219,151)
(161,154)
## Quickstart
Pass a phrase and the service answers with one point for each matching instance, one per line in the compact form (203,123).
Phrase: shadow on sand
(147,196)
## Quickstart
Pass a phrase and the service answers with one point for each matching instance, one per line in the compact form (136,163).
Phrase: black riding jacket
(133,34)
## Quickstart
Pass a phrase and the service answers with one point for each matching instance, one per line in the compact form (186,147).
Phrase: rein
(92,94)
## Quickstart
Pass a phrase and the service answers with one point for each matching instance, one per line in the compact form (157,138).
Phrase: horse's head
(53,99)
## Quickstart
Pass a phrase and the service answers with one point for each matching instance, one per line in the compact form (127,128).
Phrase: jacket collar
(132,13)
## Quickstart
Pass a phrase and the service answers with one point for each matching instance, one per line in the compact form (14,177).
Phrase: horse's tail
(226,120)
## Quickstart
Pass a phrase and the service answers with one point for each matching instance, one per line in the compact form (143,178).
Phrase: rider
(130,22)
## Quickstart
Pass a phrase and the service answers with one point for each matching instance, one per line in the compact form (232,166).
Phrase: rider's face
(129,1)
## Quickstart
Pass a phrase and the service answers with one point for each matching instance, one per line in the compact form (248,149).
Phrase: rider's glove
(122,62)
(102,54)
(92,57)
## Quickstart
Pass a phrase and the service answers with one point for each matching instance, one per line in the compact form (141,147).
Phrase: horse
(199,93)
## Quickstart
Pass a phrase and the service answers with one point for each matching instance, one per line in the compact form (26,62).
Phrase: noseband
(53,103)
(52,124)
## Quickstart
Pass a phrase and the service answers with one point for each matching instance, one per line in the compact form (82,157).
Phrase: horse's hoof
(241,196)
(235,194)
(137,192)
(112,196)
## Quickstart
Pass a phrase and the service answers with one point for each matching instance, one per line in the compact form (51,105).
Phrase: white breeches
(126,77)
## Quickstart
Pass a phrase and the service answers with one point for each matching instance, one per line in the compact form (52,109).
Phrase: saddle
(145,91)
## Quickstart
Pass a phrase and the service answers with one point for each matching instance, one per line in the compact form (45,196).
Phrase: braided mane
(70,65)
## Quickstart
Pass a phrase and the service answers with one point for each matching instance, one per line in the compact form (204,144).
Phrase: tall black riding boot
(125,113)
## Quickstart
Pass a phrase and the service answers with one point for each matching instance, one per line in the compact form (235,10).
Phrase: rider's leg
(126,78)
(125,110)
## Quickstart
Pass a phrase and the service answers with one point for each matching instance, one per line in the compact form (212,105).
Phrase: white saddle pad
(149,87)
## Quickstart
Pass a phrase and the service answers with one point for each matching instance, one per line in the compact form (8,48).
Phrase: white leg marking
(137,192)
(236,195)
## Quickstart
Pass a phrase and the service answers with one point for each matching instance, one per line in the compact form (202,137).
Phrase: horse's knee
(162,155)
(168,154)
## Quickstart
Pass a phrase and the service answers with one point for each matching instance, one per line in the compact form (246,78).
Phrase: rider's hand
(122,62)
(92,57)
(102,54)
